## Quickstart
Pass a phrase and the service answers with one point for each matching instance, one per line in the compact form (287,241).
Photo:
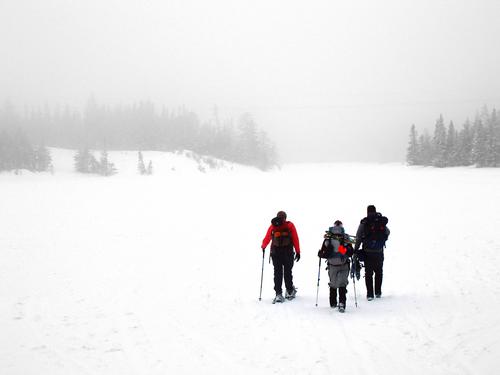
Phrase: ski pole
(317,290)
(355,295)
(262,273)
(353,271)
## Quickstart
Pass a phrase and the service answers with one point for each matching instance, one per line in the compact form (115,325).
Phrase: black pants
(374,264)
(333,296)
(283,264)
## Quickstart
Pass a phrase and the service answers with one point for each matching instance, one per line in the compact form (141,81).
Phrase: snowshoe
(341,307)
(278,299)
(289,295)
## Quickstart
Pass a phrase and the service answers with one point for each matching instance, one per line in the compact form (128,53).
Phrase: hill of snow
(163,162)
(160,274)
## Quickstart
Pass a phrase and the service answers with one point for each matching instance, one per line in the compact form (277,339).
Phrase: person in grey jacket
(372,234)
(338,265)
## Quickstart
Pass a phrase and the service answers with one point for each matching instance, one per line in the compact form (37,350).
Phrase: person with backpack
(284,239)
(337,250)
(372,234)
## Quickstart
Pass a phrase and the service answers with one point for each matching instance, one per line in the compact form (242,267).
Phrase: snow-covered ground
(160,274)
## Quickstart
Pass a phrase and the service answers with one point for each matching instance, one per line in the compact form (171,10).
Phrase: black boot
(333,297)
(342,293)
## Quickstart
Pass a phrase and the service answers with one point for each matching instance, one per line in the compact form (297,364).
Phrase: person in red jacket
(284,239)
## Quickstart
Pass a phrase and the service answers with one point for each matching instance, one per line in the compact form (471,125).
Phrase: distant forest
(128,127)
(475,144)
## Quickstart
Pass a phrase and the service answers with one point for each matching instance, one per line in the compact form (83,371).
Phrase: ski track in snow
(161,274)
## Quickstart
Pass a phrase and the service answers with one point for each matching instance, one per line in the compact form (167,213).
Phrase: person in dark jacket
(372,234)
(284,239)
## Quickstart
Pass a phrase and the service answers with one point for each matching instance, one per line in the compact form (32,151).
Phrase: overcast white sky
(313,73)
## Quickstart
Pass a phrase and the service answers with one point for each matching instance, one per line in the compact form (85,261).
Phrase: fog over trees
(16,153)
(129,127)
(313,74)
(476,143)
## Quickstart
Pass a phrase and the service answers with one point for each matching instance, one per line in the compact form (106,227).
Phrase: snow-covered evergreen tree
(43,160)
(81,160)
(265,153)
(248,142)
(451,146)
(140,164)
(6,152)
(425,148)
(439,144)
(412,157)
(479,145)
(106,168)
(492,142)
(496,121)
(85,162)
(464,145)
(24,156)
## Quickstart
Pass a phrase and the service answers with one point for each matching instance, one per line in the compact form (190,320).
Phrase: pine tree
(106,168)
(451,146)
(492,142)
(425,149)
(496,126)
(24,157)
(412,157)
(81,160)
(85,162)
(140,164)
(224,142)
(465,145)
(479,146)
(6,152)
(439,144)
(247,143)
(43,160)
(265,153)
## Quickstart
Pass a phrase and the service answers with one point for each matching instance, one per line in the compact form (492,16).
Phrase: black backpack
(327,250)
(375,231)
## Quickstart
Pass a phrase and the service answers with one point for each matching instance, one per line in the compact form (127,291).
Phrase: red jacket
(286,225)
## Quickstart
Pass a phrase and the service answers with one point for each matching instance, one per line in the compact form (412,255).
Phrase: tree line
(17,153)
(139,127)
(476,143)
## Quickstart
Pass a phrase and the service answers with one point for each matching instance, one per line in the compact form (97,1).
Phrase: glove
(297,257)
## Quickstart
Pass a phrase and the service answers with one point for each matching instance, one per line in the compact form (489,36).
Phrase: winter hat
(337,223)
(371,209)
(337,229)
(281,214)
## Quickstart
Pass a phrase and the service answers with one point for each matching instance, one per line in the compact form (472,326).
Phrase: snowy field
(160,274)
